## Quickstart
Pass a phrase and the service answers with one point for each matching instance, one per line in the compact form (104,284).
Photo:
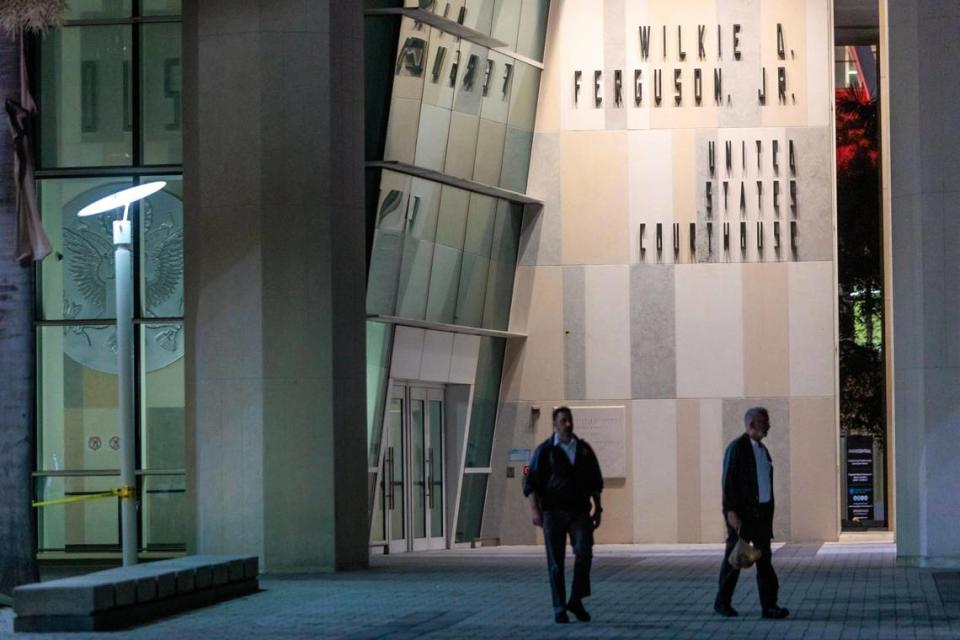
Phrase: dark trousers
(557,525)
(767,583)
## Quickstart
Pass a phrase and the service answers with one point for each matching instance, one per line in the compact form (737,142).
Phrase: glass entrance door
(412,473)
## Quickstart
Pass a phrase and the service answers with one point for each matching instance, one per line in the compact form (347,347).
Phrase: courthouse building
(396,234)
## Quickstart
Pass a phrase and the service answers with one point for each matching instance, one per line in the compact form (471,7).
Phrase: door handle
(388,471)
(429,476)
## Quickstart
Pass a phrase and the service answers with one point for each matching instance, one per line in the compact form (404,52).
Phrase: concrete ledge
(127,596)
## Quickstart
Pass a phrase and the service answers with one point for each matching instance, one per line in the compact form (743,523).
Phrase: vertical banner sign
(860,478)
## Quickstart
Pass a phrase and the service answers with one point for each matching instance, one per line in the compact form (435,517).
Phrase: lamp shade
(121,198)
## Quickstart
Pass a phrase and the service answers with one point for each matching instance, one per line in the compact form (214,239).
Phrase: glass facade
(108,91)
(443,251)
(442,254)
(461,109)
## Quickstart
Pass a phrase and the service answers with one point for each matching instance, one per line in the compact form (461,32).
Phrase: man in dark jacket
(748,511)
(564,476)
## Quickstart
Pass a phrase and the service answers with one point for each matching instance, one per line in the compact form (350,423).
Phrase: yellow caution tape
(124,493)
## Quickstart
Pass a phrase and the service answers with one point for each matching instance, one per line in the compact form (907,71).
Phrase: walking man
(748,510)
(564,476)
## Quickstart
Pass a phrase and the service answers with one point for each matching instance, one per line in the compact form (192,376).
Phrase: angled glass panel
(162,95)
(533,28)
(418,249)
(389,228)
(496,312)
(448,255)
(476,260)
(472,495)
(379,344)
(415,53)
(85,97)
(506,22)
(486,393)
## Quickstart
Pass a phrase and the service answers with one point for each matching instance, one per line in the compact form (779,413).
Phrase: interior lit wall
(683,340)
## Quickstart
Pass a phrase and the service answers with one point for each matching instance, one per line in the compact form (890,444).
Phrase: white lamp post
(126,430)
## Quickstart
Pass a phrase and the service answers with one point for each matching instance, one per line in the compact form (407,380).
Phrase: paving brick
(638,592)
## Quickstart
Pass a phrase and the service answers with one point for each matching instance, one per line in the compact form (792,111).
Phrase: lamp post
(126,430)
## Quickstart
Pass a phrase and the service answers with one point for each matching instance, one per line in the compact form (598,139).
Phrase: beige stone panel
(650,192)
(607,332)
(688,471)
(437,356)
(655,471)
(812,329)
(766,365)
(580,32)
(709,330)
(684,188)
(711,469)
(522,295)
(548,102)
(792,15)
(819,33)
(593,169)
(687,15)
(533,368)
(618,493)
(814,470)
(407,353)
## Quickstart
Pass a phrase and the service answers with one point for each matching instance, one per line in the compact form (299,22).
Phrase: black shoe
(561,618)
(576,608)
(776,613)
(725,610)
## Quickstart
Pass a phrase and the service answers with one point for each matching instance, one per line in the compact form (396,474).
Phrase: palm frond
(31,15)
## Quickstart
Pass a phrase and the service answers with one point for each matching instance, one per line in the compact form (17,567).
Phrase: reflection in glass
(85,97)
(486,395)
(472,495)
(162,93)
(379,342)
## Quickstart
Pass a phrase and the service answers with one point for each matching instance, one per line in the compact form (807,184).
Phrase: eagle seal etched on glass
(88,279)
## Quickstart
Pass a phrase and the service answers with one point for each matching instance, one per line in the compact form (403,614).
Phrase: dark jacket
(560,485)
(740,490)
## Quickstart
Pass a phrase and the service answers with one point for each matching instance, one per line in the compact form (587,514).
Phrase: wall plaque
(604,429)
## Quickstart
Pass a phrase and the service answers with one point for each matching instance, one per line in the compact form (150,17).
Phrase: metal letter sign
(411,57)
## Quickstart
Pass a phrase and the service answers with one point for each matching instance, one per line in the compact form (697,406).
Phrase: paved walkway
(835,591)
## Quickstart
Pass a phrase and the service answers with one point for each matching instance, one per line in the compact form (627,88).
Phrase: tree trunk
(18,539)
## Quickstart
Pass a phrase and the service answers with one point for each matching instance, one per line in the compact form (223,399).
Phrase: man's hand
(595,518)
(536,513)
(733,520)
(537,517)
